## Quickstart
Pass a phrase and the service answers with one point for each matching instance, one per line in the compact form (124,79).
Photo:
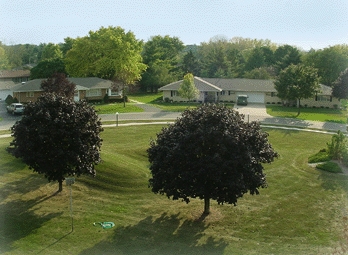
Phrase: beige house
(89,88)
(258,91)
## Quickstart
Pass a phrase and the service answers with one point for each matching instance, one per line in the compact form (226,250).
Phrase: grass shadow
(19,220)
(167,234)
(32,182)
(333,181)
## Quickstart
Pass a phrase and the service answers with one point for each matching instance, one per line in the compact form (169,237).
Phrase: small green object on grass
(105,225)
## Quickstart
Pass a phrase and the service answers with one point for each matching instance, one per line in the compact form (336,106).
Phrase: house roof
(14,73)
(237,85)
(201,85)
(219,84)
(325,90)
(6,85)
(243,85)
(81,84)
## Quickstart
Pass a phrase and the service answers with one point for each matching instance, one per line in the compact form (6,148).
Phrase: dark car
(242,100)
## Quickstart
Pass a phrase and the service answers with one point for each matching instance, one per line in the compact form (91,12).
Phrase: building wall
(26,97)
(270,98)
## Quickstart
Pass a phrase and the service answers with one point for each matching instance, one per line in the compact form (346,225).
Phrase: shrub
(335,106)
(329,166)
(106,99)
(337,147)
(321,156)
(9,99)
(166,100)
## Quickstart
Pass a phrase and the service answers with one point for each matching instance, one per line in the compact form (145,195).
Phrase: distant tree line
(114,54)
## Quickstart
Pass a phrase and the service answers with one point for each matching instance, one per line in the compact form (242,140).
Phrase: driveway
(253,111)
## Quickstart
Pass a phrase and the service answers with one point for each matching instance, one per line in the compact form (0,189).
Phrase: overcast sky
(304,23)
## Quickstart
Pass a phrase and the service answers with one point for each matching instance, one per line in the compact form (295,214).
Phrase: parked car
(15,108)
(242,100)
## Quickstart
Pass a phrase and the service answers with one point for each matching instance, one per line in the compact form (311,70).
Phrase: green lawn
(316,114)
(301,211)
(117,107)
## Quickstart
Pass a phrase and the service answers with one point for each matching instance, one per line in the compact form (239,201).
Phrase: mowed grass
(116,107)
(301,212)
(315,114)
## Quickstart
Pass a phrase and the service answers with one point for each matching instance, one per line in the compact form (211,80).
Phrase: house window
(114,92)
(323,98)
(93,93)
(222,93)
(273,94)
(30,94)
(172,93)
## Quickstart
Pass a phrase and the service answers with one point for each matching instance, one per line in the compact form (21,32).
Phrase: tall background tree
(297,82)
(209,153)
(340,86)
(161,55)
(58,137)
(47,68)
(330,62)
(109,53)
(4,64)
(187,88)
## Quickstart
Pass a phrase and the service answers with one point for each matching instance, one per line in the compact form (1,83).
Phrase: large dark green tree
(297,82)
(330,62)
(161,55)
(58,137)
(340,86)
(209,153)
(47,68)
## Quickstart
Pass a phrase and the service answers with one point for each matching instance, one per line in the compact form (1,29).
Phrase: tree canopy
(340,86)
(109,53)
(161,55)
(297,82)
(209,153)
(58,137)
(187,88)
(47,68)
(59,84)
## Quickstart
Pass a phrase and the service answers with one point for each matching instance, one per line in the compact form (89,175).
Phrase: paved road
(252,112)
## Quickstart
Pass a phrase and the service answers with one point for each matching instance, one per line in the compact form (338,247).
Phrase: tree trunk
(60,189)
(206,206)
(124,98)
(298,107)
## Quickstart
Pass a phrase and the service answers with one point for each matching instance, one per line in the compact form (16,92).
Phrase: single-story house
(15,75)
(6,89)
(258,91)
(89,88)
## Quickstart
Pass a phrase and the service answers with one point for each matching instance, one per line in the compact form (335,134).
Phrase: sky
(305,24)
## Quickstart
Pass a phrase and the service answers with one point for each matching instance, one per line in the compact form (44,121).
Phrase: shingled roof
(81,84)
(14,73)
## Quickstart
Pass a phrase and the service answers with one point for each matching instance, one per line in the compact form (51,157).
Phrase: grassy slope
(299,213)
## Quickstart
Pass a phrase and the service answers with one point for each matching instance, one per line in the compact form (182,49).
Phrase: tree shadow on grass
(167,234)
(18,220)
(23,185)
(333,181)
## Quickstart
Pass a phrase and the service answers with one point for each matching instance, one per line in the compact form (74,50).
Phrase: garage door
(254,97)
